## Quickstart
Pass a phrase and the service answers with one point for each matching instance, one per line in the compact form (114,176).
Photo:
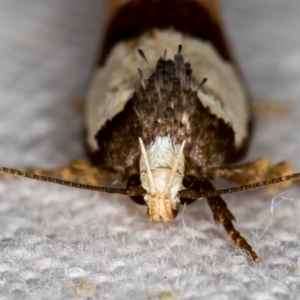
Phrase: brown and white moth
(161,135)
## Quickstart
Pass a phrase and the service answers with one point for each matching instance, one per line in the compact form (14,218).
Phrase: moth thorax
(162,172)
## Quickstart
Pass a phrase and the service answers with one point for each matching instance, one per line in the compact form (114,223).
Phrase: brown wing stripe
(190,17)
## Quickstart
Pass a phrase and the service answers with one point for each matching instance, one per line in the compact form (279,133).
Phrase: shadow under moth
(167,112)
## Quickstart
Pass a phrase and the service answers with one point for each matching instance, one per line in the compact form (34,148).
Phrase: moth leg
(280,169)
(255,171)
(78,171)
(222,214)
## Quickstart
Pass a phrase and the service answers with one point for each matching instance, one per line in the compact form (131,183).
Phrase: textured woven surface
(61,243)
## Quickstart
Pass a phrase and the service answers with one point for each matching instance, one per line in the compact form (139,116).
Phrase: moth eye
(192,183)
(134,180)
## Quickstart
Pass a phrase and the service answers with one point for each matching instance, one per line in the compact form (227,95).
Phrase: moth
(166,113)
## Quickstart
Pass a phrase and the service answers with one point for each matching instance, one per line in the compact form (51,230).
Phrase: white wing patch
(115,83)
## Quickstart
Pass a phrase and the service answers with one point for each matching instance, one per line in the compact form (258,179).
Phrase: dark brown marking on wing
(194,18)
(117,141)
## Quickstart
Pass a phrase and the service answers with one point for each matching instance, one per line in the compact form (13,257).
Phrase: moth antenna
(133,191)
(143,56)
(144,153)
(247,187)
(174,169)
(142,79)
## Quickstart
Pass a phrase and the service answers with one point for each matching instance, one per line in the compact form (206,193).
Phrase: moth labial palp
(161,134)
(162,172)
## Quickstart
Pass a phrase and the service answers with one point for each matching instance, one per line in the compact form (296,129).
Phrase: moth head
(161,176)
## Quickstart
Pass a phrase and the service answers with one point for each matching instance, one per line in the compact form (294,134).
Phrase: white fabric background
(62,243)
